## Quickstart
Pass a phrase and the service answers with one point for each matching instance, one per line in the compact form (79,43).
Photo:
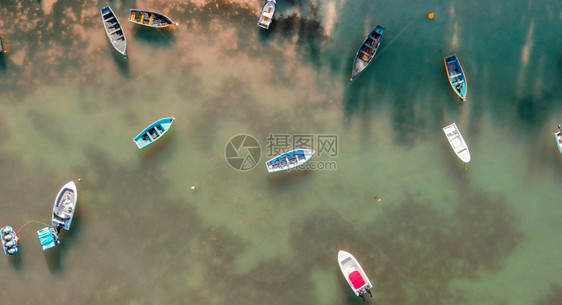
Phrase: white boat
(289,160)
(114,30)
(558,138)
(65,205)
(457,142)
(354,274)
(267,12)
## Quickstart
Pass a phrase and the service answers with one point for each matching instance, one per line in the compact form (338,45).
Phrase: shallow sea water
(442,235)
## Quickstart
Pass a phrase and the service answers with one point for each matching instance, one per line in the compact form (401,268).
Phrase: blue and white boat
(64,207)
(456,76)
(367,51)
(10,240)
(558,138)
(267,12)
(153,132)
(48,238)
(289,160)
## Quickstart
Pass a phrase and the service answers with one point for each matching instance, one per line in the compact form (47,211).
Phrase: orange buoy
(431,16)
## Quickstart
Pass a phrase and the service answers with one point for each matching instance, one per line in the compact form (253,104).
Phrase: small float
(9,240)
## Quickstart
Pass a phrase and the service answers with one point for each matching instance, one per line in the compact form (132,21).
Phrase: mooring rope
(25,224)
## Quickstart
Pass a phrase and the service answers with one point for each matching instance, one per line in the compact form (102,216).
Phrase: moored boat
(48,238)
(558,138)
(367,51)
(289,160)
(65,206)
(354,274)
(267,12)
(457,142)
(2,50)
(456,76)
(150,19)
(114,30)
(153,132)
(10,240)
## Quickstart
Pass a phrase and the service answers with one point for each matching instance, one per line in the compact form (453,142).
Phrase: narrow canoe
(150,19)
(456,76)
(558,138)
(354,274)
(114,30)
(367,51)
(267,12)
(64,207)
(153,132)
(10,240)
(457,142)
(289,160)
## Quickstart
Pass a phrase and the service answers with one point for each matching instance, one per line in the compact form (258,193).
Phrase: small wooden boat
(367,51)
(558,138)
(457,142)
(150,19)
(153,132)
(10,240)
(267,12)
(48,238)
(289,160)
(65,206)
(114,30)
(354,274)
(456,76)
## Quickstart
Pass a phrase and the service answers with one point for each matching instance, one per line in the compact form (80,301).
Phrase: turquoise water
(442,235)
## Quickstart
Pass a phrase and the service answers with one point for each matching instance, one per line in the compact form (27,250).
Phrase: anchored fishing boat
(153,132)
(354,274)
(10,240)
(457,142)
(367,51)
(456,77)
(48,238)
(150,19)
(289,160)
(558,138)
(267,12)
(114,30)
(65,206)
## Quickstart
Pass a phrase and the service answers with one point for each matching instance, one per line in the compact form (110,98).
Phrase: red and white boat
(354,274)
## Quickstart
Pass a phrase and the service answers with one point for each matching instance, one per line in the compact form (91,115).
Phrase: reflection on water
(71,106)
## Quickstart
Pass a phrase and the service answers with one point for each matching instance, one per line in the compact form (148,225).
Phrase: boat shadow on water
(2,63)
(55,257)
(158,149)
(155,37)
(283,181)
(16,260)
(121,63)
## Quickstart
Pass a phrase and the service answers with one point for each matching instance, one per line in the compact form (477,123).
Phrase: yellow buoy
(431,15)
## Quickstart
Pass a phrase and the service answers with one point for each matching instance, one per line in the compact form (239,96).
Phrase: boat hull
(10,240)
(289,160)
(367,51)
(456,76)
(353,273)
(267,12)
(149,19)
(457,142)
(558,139)
(153,132)
(65,206)
(114,30)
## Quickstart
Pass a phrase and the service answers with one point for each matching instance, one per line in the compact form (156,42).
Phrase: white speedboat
(267,12)
(65,205)
(354,274)
(457,142)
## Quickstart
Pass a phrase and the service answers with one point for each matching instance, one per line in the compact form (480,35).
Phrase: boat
(267,12)
(354,274)
(48,238)
(65,206)
(558,138)
(2,51)
(289,160)
(153,132)
(457,142)
(114,30)
(456,76)
(367,51)
(10,240)
(150,19)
